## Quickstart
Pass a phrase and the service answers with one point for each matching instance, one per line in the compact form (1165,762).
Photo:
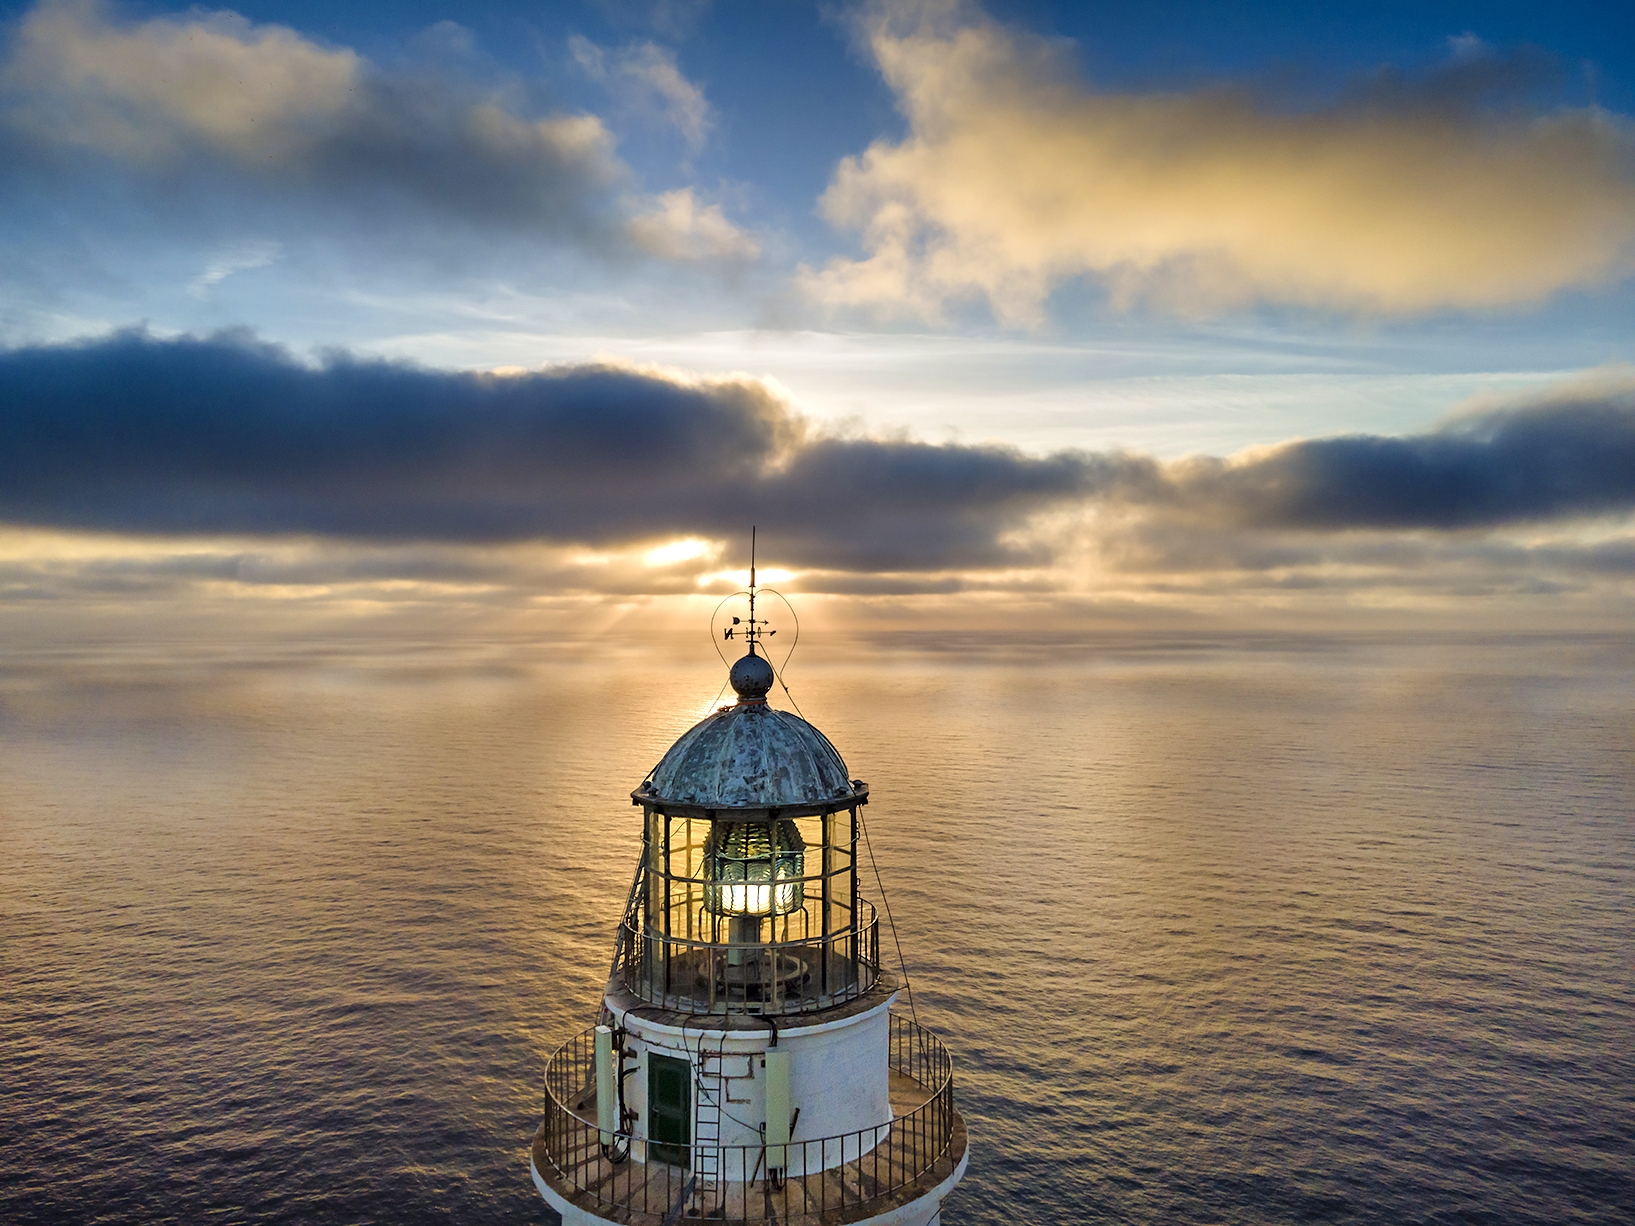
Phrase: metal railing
(842,1175)
(766,977)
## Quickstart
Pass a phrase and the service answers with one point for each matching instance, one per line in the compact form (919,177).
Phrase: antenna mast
(756,627)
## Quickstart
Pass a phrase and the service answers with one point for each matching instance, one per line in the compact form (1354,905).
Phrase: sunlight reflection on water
(1215,935)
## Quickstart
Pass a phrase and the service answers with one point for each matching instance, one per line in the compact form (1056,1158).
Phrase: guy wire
(862,822)
(886,902)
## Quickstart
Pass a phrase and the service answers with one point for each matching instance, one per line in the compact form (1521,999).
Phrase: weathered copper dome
(751,756)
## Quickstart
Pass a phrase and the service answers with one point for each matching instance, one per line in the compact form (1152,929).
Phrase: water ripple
(1214,938)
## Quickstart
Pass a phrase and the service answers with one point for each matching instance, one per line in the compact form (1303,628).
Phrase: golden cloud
(1014,178)
(263,101)
(679,227)
(149,88)
(212,81)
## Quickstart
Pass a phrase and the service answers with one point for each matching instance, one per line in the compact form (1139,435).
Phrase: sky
(419,321)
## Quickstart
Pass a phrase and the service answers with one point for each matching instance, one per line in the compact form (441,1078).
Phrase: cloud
(209,100)
(680,228)
(1016,177)
(1568,454)
(646,77)
(672,18)
(266,105)
(229,436)
(240,257)
(158,88)
(131,465)
(1469,47)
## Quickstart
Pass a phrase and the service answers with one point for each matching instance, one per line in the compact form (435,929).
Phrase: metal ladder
(711,1090)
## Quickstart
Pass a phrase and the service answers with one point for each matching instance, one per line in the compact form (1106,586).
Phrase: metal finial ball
(751,676)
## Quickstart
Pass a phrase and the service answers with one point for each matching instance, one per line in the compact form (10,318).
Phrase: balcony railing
(827,1179)
(766,977)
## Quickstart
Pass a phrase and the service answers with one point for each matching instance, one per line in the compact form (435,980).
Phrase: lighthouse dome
(751,756)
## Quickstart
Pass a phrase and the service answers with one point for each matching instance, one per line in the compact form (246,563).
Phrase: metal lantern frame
(678,945)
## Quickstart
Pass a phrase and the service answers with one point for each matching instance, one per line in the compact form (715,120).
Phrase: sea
(1218,929)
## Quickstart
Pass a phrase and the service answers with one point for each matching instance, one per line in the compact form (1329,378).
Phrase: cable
(886,902)
(717,700)
(772,591)
(715,703)
(776,670)
(717,609)
(902,962)
(698,1077)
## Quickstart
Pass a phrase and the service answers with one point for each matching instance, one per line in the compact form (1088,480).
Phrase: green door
(669,1109)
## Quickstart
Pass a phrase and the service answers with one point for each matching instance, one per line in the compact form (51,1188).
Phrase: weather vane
(752,629)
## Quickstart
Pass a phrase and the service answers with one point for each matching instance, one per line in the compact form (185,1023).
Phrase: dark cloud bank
(226,435)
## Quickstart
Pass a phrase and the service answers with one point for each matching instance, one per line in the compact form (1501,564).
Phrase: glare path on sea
(1323,933)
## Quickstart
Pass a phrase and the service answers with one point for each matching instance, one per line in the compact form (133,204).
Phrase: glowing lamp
(754,869)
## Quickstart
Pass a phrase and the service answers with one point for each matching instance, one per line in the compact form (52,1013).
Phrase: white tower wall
(839,1078)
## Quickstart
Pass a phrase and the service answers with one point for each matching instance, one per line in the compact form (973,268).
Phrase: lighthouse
(748,1064)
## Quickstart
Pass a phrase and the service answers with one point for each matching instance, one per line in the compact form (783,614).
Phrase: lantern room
(746,898)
